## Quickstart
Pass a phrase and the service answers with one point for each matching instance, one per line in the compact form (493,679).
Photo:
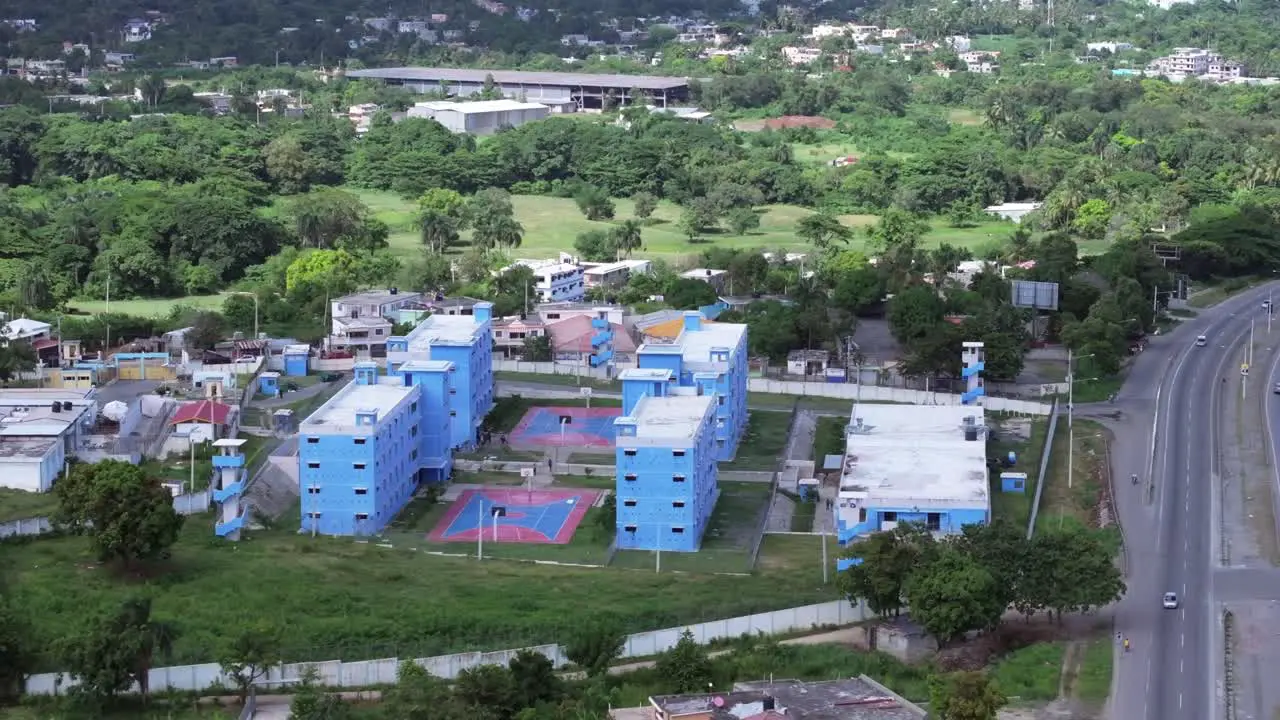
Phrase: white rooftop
(480,106)
(379,297)
(548,266)
(606,268)
(701,273)
(644,374)
(670,418)
(696,345)
(339,413)
(38,420)
(444,330)
(916,455)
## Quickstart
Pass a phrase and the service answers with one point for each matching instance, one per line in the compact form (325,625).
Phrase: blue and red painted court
(538,516)
(588,427)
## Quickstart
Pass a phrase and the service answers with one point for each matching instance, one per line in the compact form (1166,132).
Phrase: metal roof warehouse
(586,89)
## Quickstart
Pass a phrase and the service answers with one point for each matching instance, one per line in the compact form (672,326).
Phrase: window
(362,516)
(889,516)
(629,528)
(413,431)
(313,465)
(453,413)
(677,504)
(933,521)
(313,440)
(362,491)
(453,391)
(677,453)
(360,441)
(553,316)
(313,515)
(629,503)
(677,478)
(629,453)
(862,515)
(358,466)
(413,406)
(413,455)
(313,490)
(720,400)
(629,477)
(377,331)
(677,531)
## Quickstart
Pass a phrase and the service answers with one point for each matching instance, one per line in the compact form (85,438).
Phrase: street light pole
(1071,430)
(191,440)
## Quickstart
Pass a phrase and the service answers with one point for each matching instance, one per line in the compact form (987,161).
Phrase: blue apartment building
(363,453)
(466,343)
(667,475)
(712,359)
(923,464)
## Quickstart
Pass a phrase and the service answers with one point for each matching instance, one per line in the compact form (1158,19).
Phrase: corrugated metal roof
(517,77)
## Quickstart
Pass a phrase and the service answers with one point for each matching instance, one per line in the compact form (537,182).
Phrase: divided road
(1170,520)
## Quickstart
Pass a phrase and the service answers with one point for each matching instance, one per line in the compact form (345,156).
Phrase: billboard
(1036,295)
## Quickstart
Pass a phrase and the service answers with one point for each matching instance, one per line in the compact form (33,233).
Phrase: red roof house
(208,412)
(573,335)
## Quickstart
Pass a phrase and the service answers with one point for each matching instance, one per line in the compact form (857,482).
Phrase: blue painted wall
(730,386)
(355,483)
(665,495)
(851,528)
(470,396)
(434,448)
(295,364)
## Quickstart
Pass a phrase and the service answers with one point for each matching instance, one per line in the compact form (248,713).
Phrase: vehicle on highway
(1277,389)
(1202,341)
(1170,601)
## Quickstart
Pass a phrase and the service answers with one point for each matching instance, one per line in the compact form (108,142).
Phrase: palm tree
(149,638)
(439,231)
(626,237)
(501,230)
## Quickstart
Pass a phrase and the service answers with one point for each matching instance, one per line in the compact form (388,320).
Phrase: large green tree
(953,594)
(964,696)
(127,515)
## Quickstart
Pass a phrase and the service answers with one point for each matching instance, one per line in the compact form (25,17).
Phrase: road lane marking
(1184,639)
(1179,701)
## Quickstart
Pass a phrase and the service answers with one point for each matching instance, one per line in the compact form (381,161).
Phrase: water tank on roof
(115,411)
(56,406)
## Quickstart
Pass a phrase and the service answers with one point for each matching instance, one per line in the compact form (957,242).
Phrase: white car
(1170,601)
(1202,341)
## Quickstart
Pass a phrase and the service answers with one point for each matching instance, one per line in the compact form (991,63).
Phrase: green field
(149,307)
(551,224)
(1031,674)
(353,600)
(763,443)
(20,504)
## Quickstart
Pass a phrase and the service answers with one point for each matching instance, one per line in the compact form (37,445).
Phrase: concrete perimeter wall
(335,673)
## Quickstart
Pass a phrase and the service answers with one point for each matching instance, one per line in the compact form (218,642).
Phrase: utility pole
(1071,430)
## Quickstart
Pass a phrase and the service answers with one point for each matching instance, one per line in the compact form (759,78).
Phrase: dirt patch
(1014,634)
(800,121)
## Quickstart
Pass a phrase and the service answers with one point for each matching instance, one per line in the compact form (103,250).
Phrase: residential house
(205,420)
(714,278)
(362,322)
(612,275)
(39,430)
(510,333)
(136,30)
(556,280)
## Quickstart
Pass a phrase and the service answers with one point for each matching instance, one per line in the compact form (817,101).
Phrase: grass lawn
(508,411)
(726,547)
(1016,507)
(795,552)
(1076,500)
(20,504)
(802,515)
(1096,389)
(149,307)
(1093,683)
(353,600)
(829,438)
(964,116)
(551,224)
(1032,673)
(589,458)
(764,442)
(540,379)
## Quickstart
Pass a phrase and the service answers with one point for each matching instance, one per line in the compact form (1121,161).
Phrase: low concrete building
(483,117)
(859,698)
(1013,211)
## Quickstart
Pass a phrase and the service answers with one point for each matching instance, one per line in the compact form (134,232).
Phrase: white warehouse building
(39,429)
(484,117)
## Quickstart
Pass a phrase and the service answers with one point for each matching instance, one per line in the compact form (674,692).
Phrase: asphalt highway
(1171,671)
